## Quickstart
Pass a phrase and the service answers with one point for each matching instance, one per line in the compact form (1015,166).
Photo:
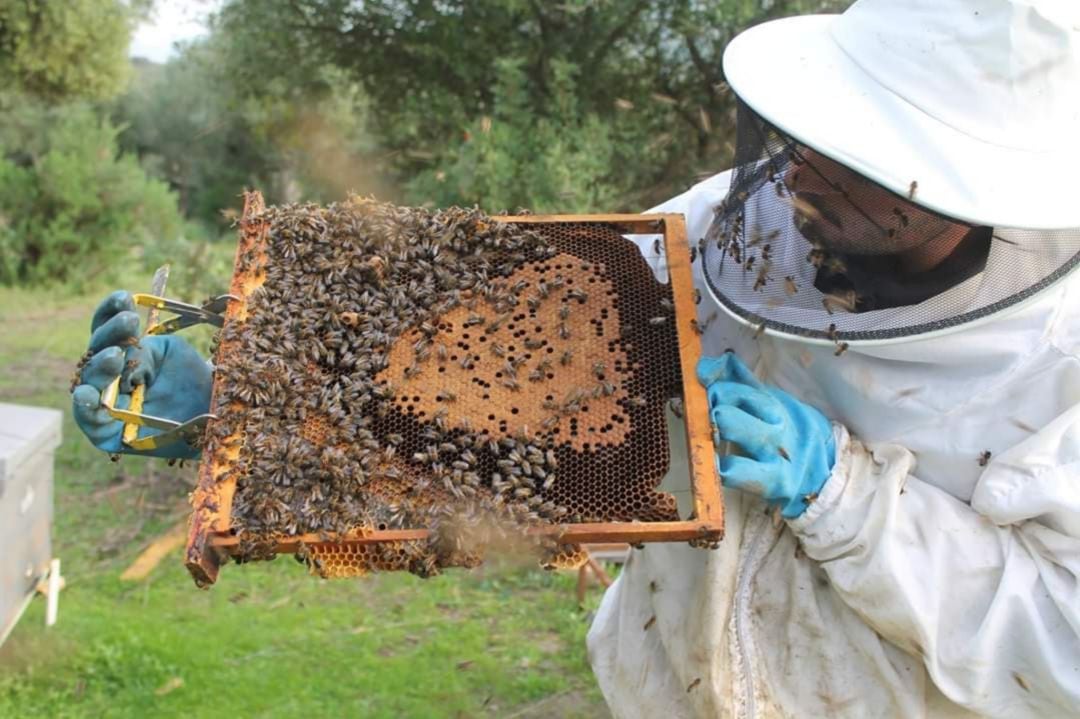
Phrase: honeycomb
(395,369)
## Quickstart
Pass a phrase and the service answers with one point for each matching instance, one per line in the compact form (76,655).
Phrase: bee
(564,331)
(567,358)
(533,344)
(510,383)
(693,685)
(656,321)
(510,369)
(984,458)
(841,348)
(845,301)
(656,246)
(652,621)
(789,285)
(1019,424)
(578,294)
(542,289)
(762,275)
(676,405)
(466,361)
(598,370)
(442,353)
(911,189)
(549,423)
(830,332)
(496,323)
(638,401)
(693,253)
(533,303)
(472,320)
(445,396)
(564,312)
(697,296)
(783,453)
(536,375)
(810,498)
(412,370)
(497,349)
(759,331)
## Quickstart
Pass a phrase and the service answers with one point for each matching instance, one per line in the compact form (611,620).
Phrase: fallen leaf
(278,604)
(172,685)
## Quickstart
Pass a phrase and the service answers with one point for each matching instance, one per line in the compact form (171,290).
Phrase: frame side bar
(708,497)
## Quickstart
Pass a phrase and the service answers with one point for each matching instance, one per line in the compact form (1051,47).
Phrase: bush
(71,205)
(563,161)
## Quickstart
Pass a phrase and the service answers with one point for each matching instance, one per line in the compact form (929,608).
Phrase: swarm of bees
(400,368)
(752,250)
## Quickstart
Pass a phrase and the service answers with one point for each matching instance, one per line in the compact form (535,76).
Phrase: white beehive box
(28,438)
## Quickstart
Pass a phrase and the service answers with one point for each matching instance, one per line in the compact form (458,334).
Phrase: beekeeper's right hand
(177,379)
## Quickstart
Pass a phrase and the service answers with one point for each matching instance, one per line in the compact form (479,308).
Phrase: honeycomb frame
(212,542)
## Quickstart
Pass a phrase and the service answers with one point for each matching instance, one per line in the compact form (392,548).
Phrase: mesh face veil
(803,245)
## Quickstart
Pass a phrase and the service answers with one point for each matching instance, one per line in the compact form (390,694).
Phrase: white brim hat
(972,108)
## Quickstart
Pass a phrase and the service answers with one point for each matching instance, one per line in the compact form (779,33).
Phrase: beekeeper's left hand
(788,447)
(176,378)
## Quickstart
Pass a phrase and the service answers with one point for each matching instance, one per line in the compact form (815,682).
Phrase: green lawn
(267,640)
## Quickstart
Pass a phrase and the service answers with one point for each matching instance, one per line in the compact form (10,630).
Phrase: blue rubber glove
(789,445)
(177,379)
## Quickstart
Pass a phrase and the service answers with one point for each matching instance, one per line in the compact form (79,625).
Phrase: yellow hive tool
(186,316)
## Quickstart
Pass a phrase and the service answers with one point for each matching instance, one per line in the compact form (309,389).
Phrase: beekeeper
(890,263)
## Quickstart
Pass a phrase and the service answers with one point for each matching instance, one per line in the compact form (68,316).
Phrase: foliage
(511,159)
(71,205)
(629,93)
(194,127)
(70,49)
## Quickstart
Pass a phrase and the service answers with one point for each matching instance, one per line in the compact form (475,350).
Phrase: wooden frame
(209,538)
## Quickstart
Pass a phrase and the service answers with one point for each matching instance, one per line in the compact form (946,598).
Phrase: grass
(267,640)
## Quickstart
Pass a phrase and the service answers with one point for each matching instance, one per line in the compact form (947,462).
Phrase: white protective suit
(919,583)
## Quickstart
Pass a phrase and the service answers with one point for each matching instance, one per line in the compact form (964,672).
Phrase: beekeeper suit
(891,263)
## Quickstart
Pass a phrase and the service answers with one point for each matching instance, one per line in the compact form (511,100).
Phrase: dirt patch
(32,377)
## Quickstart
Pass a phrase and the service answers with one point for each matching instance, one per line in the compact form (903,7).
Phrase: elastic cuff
(834,486)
